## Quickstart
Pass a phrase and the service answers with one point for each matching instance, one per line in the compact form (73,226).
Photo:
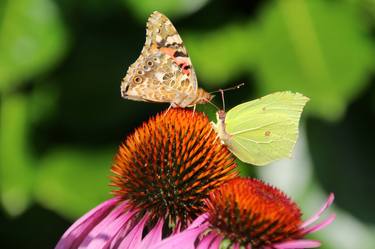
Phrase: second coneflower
(162,174)
(247,213)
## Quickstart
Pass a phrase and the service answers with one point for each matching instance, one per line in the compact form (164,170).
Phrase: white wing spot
(159,76)
(174,39)
(158,38)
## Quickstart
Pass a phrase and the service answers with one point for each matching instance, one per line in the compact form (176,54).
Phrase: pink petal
(316,216)
(182,240)
(198,221)
(134,237)
(107,229)
(236,246)
(78,231)
(297,244)
(216,243)
(207,241)
(177,228)
(321,225)
(104,238)
(154,236)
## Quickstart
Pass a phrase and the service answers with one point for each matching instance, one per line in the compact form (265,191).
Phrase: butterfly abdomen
(203,96)
(191,98)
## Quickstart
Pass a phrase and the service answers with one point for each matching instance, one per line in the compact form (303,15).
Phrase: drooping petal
(177,229)
(316,216)
(104,238)
(107,229)
(154,236)
(207,241)
(134,237)
(216,243)
(182,240)
(78,231)
(297,244)
(236,246)
(199,221)
(320,225)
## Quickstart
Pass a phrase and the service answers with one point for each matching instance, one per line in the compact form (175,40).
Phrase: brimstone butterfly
(262,130)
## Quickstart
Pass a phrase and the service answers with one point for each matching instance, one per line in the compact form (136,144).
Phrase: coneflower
(162,174)
(247,213)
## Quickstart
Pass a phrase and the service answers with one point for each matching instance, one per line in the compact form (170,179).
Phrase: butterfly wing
(265,129)
(163,72)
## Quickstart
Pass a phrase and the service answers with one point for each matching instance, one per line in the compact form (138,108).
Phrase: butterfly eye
(156,59)
(150,63)
(140,72)
(137,79)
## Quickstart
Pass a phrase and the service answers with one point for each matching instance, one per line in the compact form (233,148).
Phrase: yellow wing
(265,129)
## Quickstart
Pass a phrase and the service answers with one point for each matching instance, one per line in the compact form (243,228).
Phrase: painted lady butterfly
(163,72)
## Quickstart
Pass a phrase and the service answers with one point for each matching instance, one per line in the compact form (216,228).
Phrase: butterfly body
(262,130)
(163,72)
(220,127)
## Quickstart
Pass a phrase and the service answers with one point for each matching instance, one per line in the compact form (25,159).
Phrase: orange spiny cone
(169,165)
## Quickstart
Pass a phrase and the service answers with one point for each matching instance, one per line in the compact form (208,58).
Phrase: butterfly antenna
(229,89)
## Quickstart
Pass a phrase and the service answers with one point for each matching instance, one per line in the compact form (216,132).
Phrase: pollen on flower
(168,166)
(249,212)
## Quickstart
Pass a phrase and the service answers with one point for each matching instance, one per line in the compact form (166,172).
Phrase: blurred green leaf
(220,55)
(32,39)
(343,151)
(143,8)
(16,172)
(319,48)
(72,181)
(43,101)
(368,7)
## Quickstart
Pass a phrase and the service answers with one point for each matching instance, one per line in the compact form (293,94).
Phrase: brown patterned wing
(163,72)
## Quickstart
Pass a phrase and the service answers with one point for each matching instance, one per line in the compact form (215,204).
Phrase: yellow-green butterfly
(262,130)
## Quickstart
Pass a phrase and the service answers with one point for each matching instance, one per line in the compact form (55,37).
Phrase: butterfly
(263,130)
(163,72)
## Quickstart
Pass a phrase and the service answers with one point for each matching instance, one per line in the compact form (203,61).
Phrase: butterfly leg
(194,107)
(170,106)
(183,98)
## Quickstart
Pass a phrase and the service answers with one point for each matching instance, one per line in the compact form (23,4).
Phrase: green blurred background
(62,118)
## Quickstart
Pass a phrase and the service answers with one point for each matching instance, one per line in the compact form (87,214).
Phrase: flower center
(249,212)
(168,166)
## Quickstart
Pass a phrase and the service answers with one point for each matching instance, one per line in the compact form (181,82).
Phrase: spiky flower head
(162,174)
(247,211)
(168,166)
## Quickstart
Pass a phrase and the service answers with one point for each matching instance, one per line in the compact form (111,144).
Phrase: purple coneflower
(162,175)
(247,213)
